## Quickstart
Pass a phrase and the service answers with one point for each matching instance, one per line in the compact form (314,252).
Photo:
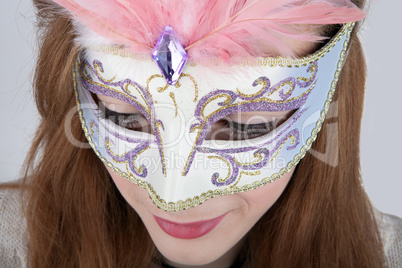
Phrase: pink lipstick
(189,230)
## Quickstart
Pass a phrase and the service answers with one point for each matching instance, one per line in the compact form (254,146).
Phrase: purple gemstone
(170,55)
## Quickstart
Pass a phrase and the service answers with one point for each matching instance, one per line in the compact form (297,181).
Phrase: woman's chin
(200,256)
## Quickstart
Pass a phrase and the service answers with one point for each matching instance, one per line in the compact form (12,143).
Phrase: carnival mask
(173,155)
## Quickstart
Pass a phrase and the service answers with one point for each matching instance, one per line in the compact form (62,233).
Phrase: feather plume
(211,28)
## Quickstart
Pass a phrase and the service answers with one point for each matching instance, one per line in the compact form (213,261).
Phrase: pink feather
(212,28)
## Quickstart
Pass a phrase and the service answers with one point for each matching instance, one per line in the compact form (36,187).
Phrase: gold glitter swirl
(107,144)
(84,74)
(141,168)
(227,163)
(171,95)
(159,89)
(183,173)
(127,90)
(293,140)
(227,100)
(194,82)
(261,158)
(256,155)
(177,85)
(195,128)
(259,82)
(292,99)
(249,173)
(291,85)
(312,71)
(98,70)
(92,126)
(157,126)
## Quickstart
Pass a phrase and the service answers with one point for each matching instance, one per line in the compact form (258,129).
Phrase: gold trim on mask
(261,61)
(126,92)
(177,85)
(224,161)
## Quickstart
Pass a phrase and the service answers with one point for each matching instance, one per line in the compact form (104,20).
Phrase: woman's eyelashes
(226,129)
(134,121)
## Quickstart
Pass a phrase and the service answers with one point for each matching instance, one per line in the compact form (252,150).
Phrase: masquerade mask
(171,150)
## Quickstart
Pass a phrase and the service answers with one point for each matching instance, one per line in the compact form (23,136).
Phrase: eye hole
(136,122)
(243,126)
(133,121)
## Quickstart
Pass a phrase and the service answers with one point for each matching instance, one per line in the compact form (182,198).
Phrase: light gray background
(381,146)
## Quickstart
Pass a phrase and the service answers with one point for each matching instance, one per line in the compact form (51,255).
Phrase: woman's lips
(189,230)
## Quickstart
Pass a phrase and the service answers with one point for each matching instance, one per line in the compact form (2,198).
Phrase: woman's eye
(136,122)
(247,125)
(231,130)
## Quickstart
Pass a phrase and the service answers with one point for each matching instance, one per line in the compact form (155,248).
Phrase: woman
(266,211)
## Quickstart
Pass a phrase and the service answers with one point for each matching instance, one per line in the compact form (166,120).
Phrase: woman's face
(210,233)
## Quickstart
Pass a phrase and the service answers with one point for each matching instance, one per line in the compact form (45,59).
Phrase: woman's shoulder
(391,233)
(13,235)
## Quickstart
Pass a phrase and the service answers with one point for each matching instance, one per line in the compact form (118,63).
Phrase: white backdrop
(381,148)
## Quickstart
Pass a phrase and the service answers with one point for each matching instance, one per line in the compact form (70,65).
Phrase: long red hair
(77,218)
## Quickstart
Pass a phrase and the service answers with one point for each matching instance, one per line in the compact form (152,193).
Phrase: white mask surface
(175,157)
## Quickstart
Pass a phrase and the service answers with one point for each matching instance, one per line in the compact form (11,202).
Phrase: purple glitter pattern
(203,149)
(89,83)
(129,156)
(246,103)
(259,150)
(254,103)
(267,156)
